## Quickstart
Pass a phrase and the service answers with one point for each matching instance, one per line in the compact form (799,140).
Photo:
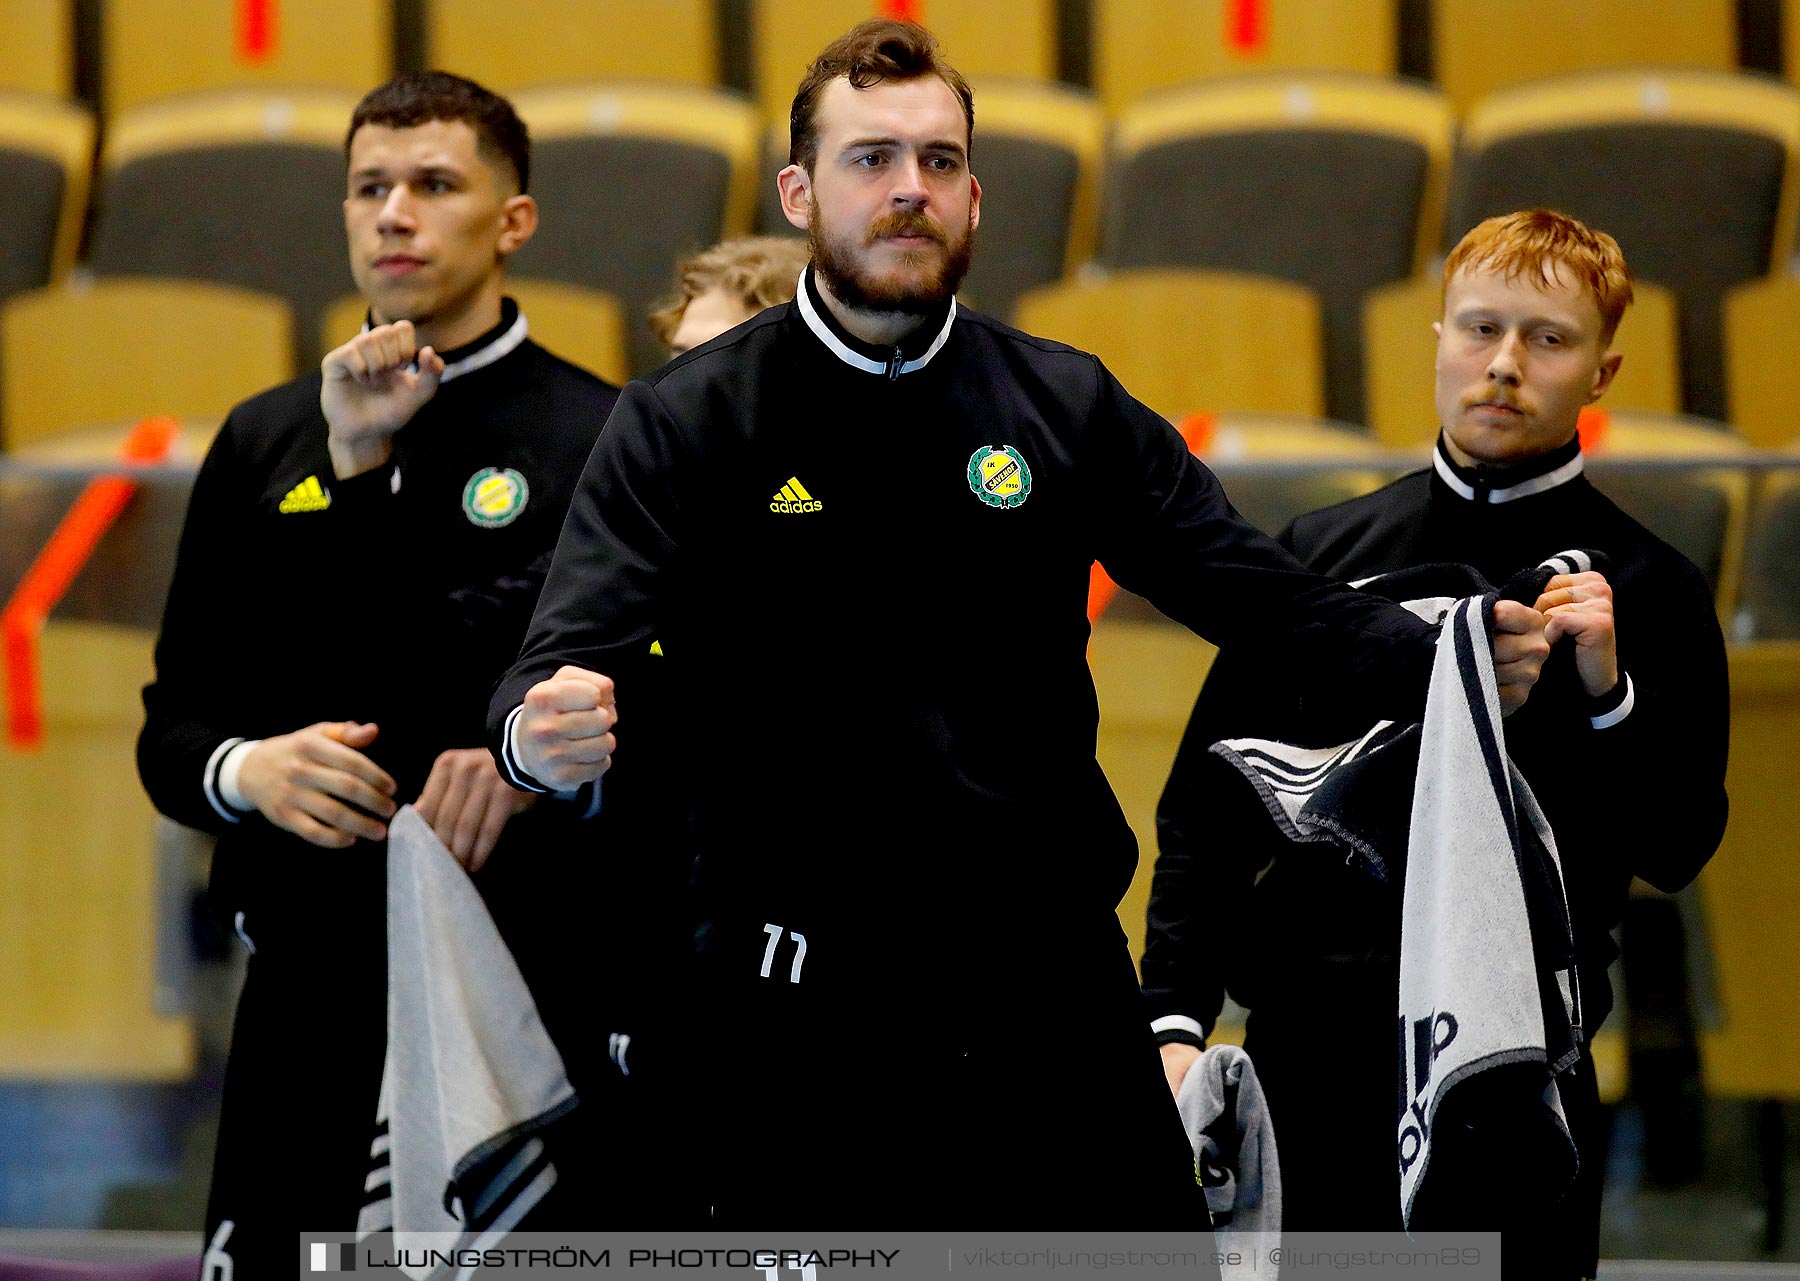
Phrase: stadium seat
(81,891)
(995,38)
(1762,380)
(1483,45)
(1191,340)
(1769,604)
(146,53)
(1790,44)
(1037,155)
(1753,881)
(630,178)
(37,53)
(770,220)
(1749,888)
(1720,209)
(1346,460)
(46,151)
(113,351)
(1700,510)
(239,187)
(580,325)
(1400,348)
(1333,182)
(541,42)
(1140,47)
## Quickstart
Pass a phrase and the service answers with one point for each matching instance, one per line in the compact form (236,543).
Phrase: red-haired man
(1623,744)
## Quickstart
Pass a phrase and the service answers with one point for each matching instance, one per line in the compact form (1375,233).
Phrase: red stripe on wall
(258,29)
(905,10)
(1247,27)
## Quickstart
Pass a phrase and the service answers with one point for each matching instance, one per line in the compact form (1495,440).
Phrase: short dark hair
(870,52)
(418,97)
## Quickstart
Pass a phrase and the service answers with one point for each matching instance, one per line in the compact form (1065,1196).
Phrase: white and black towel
(1488,1001)
(471,1079)
(1227,1123)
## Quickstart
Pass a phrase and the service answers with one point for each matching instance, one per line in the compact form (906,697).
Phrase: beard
(920,282)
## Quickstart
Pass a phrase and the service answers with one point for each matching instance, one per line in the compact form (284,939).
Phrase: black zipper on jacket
(894,362)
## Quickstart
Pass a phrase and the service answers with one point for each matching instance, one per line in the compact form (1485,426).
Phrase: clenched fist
(1581,606)
(373,386)
(564,738)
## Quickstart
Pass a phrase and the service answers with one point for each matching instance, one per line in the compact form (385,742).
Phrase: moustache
(1506,402)
(907,223)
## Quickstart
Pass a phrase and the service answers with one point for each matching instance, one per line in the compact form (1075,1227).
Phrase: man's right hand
(371,391)
(563,738)
(1176,1060)
(307,781)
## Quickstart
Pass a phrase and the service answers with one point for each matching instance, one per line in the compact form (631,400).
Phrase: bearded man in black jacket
(1623,743)
(859,530)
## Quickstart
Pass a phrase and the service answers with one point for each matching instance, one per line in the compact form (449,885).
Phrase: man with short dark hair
(324,654)
(859,529)
(1623,744)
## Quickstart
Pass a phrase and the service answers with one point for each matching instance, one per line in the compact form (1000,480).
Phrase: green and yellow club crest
(999,477)
(494,497)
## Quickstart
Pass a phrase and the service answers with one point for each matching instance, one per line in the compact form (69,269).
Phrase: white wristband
(1618,713)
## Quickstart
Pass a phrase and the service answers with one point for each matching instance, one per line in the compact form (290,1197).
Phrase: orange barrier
(1593,424)
(1197,430)
(79,532)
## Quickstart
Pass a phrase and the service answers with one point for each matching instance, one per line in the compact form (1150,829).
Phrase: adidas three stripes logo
(793,498)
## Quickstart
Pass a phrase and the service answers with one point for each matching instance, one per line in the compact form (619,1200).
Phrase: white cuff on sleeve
(1177,1023)
(509,755)
(1618,713)
(221,790)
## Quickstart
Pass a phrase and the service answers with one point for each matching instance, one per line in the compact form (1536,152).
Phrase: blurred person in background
(722,287)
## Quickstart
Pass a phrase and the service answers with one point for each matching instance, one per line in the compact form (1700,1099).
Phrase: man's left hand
(1581,606)
(467,803)
(1519,652)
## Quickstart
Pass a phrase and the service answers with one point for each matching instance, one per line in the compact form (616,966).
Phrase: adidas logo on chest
(308,496)
(793,500)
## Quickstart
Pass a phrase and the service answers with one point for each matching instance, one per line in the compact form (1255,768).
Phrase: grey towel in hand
(1227,1123)
(1489,1002)
(471,1077)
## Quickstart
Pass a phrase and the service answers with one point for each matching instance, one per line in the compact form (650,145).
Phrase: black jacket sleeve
(1170,534)
(617,558)
(188,715)
(1200,916)
(1674,744)
(212,673)
(1652,786)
